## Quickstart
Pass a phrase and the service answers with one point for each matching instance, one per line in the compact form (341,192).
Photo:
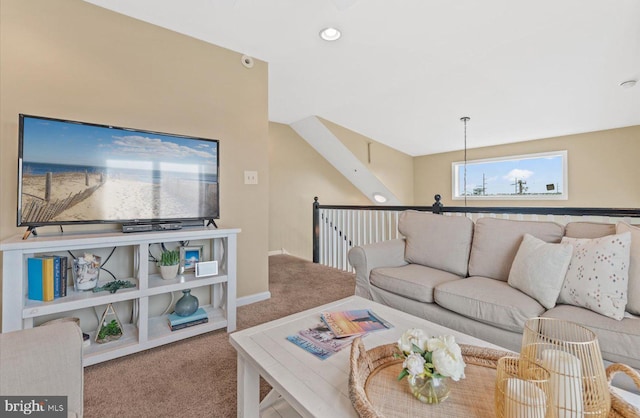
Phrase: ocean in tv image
(78,172)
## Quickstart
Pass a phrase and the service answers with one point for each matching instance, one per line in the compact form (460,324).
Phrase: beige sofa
(458,273)
(44,361)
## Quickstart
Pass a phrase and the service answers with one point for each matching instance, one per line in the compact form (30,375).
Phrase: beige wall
(603,170)
(70,59)
(602,173)
(392,167)
(297,173)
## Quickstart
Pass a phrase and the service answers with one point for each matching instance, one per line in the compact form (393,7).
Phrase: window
(540,176)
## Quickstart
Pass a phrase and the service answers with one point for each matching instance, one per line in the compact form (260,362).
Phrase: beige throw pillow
(437,241)
(598,274)
(496,242)
(539,269)
(633,294)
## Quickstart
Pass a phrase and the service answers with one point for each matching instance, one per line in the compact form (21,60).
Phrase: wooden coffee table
(312,387)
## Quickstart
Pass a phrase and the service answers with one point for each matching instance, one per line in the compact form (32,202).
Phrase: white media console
(144,331)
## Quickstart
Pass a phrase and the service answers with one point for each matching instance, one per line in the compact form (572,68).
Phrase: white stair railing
(337,229)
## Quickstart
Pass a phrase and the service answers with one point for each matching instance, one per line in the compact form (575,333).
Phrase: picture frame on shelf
(189,256)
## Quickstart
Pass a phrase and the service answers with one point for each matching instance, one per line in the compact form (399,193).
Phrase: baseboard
(257,297)
(278,252)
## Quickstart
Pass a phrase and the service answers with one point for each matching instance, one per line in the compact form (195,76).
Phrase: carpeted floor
(197,377)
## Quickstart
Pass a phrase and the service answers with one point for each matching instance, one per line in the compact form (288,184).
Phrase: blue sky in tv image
(80,172)
(100,147)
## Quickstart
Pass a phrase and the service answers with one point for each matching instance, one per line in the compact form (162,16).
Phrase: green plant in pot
(110,327)
(169,264)
(109,331)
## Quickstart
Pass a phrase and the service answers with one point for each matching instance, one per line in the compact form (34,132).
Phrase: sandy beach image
(77,172)
(112,197)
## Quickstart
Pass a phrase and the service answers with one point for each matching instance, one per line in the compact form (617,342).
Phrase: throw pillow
(598,274)
(539,269)
(633,295)
(437,241)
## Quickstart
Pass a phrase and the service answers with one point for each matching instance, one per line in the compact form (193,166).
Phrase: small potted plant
(169,264)
(109,331)
(110,328)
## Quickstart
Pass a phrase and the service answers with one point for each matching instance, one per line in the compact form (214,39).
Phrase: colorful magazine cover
(319,341)
(354,322)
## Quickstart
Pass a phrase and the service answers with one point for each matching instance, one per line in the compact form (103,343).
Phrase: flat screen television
(75,172)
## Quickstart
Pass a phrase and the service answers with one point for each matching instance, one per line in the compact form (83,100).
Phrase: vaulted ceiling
(406,71)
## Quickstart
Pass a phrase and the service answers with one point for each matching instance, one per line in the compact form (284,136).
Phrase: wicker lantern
(571,354)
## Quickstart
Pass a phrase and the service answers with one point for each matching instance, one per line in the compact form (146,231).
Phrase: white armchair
(44,361)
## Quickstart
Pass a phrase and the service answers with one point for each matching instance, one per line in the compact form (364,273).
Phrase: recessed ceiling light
(379,198)
(330,34)
(628,84)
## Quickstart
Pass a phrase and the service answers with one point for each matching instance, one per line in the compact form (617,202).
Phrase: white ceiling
(405,71)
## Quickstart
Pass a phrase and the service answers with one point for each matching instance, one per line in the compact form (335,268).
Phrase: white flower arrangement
(430,357)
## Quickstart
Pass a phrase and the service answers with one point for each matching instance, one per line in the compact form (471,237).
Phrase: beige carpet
(197,377)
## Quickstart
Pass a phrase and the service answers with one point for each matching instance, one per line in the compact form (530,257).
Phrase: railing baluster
(340,235)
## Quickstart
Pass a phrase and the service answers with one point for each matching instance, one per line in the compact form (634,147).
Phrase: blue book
(63,276)
(34,278)
(175,319)
(189,324)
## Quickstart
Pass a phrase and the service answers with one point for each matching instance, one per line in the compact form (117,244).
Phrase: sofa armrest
(365,258)
(44,361)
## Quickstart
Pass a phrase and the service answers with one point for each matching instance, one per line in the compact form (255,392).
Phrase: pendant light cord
(465,119)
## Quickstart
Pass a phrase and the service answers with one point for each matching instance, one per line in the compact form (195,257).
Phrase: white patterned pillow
(598,274)
(633,295)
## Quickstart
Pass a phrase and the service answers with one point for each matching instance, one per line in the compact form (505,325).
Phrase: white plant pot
(169,272)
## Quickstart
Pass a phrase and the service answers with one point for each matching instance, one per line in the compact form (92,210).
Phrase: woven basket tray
(376,393)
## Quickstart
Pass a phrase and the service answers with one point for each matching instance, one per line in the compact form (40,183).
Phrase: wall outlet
(250,177)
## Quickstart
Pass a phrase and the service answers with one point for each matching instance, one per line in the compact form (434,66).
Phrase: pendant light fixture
(464,120)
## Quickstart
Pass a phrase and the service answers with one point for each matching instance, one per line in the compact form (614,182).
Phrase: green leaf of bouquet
(404,373)
(428,356)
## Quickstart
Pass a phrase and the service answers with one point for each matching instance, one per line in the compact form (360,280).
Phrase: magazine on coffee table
(354,322)
(320,341)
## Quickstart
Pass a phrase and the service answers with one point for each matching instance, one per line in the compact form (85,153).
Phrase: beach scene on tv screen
(81,173)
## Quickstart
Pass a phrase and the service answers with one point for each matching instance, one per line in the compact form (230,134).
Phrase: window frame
(456,172)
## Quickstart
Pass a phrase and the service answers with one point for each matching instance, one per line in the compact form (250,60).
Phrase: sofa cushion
(490,301)
(496,242)
(633,293)
(598,274)
(588,229)
(618,340)
(539,269)
(438,241)
(412,281)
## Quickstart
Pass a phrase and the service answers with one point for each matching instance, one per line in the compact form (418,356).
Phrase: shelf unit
(19,312)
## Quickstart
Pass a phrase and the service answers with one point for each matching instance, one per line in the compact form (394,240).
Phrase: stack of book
(47,277)
(353,322)
(319,341)
(337,330)
(177,322)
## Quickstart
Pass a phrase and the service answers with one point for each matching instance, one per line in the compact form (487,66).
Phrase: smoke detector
(247,61)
